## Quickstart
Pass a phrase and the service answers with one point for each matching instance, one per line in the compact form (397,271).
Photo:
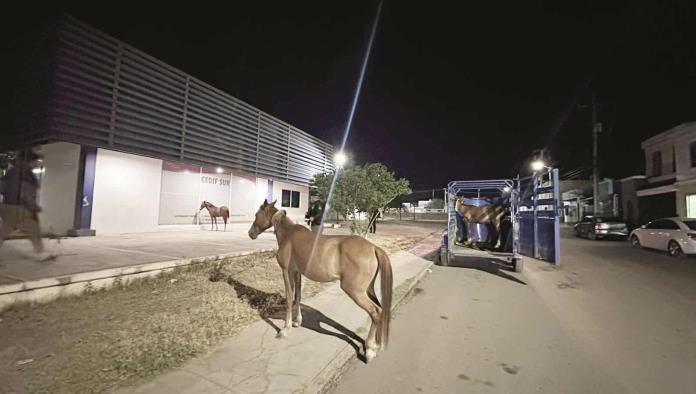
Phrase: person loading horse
(315,213)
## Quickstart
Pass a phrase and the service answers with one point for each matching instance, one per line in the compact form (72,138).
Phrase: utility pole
(596,129)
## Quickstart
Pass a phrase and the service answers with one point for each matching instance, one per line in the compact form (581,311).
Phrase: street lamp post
(538,165)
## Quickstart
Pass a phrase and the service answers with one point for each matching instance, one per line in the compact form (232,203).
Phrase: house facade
(669,186)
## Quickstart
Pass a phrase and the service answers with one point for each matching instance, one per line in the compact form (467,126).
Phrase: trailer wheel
(518,264)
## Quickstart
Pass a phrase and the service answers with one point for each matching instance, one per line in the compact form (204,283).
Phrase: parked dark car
(601,227)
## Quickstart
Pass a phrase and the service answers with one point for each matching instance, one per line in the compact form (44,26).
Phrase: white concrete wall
(242,199)
(59,186)
(295,214)
(126,193)
(261,192)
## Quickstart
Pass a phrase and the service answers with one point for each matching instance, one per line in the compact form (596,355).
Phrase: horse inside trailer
(482,222)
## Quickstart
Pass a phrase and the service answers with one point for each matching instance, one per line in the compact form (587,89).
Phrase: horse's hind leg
(373,297)
(359,294)
(224,218)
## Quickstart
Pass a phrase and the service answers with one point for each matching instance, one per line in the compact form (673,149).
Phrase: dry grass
(119,337)
(393,244)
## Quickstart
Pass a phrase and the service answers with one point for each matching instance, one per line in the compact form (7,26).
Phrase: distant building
(629,199)
(608,194)
(576,195)
(669,187)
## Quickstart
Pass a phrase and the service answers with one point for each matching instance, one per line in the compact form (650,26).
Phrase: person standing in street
(19,209)
(373,221)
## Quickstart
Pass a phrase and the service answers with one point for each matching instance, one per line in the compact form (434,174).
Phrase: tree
(359,189)
(436,203)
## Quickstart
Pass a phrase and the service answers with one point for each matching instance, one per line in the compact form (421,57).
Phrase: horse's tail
(386,283)
(225,212)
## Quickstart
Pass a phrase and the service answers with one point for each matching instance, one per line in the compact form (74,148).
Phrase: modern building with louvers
(132,144)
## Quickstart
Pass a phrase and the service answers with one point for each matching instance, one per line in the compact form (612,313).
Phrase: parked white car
(675,235)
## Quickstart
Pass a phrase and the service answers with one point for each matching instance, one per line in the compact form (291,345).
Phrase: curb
(329,375)
(49,289)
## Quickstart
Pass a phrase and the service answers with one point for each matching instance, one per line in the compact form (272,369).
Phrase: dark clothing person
(315,215)
(19,209)
(19,186)
(373,221)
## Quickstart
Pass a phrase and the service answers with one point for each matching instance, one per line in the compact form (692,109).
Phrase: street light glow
(219,170)
(506,189)
(538,165)
(340,159)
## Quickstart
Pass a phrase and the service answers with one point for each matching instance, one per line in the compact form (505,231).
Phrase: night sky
(453,90)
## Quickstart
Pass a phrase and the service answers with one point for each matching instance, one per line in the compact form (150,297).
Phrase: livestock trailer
(530,226)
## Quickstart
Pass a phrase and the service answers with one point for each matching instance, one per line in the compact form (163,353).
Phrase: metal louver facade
(108,94)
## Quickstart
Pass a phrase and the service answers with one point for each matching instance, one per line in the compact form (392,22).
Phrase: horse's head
(461,206)
(203,205)
(263,219)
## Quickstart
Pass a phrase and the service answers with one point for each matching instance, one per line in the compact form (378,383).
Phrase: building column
(85,193)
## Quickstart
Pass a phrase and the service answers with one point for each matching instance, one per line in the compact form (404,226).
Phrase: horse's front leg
(297,289)
(498,237)
(288,302)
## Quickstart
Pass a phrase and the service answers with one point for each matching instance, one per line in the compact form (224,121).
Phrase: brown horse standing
(486,214)
(353,260)
(214,213)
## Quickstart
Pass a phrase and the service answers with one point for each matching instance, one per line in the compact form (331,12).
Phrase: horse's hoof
(296,323)
(282,333)
(370,354)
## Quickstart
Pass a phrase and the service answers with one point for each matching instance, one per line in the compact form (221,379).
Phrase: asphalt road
(610,319)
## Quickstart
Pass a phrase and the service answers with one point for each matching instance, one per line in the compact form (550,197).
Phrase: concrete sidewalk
(87,254)
(90,254)
(96,262)
(254,361)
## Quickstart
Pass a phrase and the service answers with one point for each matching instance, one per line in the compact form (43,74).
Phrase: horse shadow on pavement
(484,264)
(272,306)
